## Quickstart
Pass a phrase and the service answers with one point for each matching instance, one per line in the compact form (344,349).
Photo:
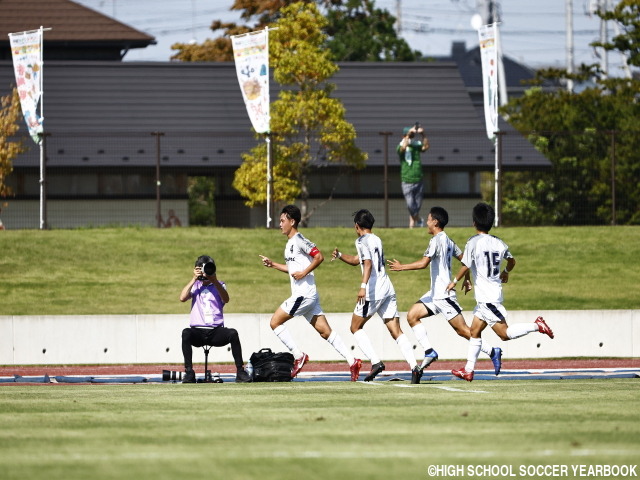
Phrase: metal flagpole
(43,196)
(268,139)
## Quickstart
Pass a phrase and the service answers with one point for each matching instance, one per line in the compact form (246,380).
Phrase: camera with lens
(207,266)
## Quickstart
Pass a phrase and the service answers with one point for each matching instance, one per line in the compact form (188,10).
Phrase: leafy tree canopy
(10,115)
(308,125)
(357,31)
(591,138)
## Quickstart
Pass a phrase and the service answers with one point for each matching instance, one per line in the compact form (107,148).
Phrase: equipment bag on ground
(271,367)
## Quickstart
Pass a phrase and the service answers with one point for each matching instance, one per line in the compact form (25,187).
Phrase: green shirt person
(409,151)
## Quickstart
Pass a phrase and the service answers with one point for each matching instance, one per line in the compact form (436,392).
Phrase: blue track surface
(401,377)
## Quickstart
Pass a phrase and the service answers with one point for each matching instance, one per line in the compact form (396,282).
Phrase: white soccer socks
(365,345)
(518,330)
(336,342)
(285,337)
(472,354)
(407,350)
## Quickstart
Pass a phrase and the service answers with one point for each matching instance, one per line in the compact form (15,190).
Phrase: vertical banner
(487,36)
(26,49)
(251,55)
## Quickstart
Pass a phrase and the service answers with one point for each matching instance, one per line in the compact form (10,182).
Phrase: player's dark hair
(364,219)
(292,212)
(440,215)
(202,259)
(483,217)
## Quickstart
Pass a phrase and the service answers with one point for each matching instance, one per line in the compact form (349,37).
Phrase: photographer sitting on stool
(208,296)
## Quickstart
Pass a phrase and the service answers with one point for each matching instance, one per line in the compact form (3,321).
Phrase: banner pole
(43,193)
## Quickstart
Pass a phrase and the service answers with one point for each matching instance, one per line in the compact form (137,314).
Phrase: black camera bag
(271,367)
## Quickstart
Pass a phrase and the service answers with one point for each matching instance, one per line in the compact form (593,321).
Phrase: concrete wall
(113,339)
(25,214)
(91,213)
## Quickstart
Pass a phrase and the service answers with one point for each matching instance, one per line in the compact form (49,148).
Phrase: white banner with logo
(488,38)
(26,49)
(251,55)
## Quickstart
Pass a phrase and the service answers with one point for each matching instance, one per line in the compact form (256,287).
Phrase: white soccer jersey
(298,256)
(483,254)
(369,247)
(441,249)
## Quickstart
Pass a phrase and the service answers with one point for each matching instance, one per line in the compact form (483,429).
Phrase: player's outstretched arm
(396,266)
(266,261)
(352,260)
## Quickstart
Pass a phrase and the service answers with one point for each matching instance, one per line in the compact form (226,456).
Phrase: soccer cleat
(242,376)
(375,370)
(189,376)
(543,327)
(355,369)
(430,356)
(462,373)
(416,374)
(298,364)
(496,358)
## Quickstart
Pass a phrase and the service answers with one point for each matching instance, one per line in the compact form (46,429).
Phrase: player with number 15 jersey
(483,254)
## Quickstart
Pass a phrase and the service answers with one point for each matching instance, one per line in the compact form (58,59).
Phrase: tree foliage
(586,136)
(308,125)
(10,115)
(357,31)
(361,32)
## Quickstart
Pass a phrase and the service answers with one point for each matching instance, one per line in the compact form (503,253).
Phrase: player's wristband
(506,271)
(363,285)
(338,255)
(454,281)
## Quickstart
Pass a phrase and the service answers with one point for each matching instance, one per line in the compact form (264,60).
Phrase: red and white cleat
(355,369)
(298,364)
(462,373)
(543,327)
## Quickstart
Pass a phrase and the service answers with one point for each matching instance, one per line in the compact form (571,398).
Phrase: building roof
(73,27)
(200,109)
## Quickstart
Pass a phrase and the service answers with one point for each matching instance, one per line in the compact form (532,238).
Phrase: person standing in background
(411,175)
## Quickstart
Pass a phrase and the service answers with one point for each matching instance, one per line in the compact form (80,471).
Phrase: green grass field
(142,270)
(314,430)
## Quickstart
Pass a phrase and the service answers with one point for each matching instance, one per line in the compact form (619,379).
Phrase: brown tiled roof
(70,22)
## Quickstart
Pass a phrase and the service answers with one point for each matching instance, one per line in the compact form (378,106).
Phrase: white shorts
(386,308)
(307,307)
(449,307)
(491,313)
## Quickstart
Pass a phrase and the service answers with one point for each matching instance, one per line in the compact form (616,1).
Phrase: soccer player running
(302,257)
(376,294)
(483,254)
(438,300)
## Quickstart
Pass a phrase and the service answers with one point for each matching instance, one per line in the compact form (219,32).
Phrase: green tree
(360,32)
(202,205)
(580,133)
(10,115)
(308,126)
(357,31)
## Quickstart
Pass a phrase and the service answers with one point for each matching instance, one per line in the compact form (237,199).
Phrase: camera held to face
(207,269)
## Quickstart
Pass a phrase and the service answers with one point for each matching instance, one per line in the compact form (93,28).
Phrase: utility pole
(569,23)
(604,36)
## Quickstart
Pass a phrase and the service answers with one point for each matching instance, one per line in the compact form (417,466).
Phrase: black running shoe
(189,376)
(242,376)
(416,374)
(375,370)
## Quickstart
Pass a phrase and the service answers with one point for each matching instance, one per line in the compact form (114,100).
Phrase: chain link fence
(170,179)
